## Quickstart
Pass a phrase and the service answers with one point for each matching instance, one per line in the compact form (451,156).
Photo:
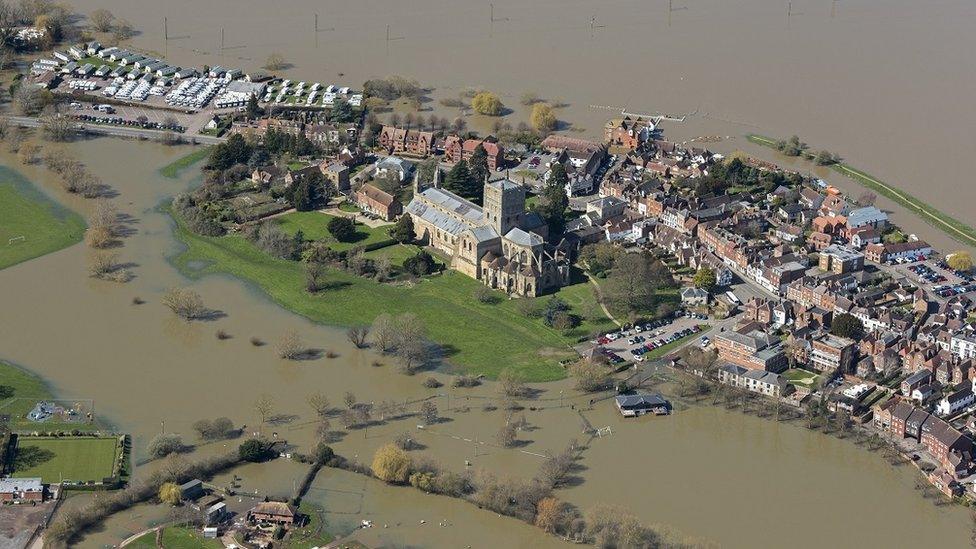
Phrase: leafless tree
(357,335)
(101,20)
(291,346)
(29,153)
(319,403)
(185,303)
(508,435)
(428,411)
(264,406)
(275,62)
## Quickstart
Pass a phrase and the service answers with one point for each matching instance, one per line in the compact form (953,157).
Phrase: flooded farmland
(885,84)
(710,474)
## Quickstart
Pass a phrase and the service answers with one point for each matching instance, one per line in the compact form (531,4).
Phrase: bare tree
(291,346)
(101,20)
(319,403)
(123,30)
(275,62)
(264,406)
(349,399)
(185,303)
(428,411)
(29,153)
(511,384)
(384,332)
(508,435)
(29,100)
(357,335)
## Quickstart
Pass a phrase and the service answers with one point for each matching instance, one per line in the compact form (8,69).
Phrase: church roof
(504,184)
(484,233)
(523,238)
(430,204)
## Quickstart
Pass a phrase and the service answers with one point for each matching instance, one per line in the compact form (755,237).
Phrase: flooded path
(708,473)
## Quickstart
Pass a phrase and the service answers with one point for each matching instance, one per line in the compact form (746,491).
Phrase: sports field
(79,459)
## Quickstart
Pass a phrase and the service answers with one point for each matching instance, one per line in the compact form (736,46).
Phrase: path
(599,295)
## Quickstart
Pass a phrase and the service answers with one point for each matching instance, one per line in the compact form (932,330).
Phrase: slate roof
(467,213)
(523,238)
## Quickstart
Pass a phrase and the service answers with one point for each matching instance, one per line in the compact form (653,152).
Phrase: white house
(956,401)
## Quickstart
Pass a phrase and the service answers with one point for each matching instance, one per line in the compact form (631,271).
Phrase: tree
(391,464)
(705,279)
(960,260)
(169,493)
(101,20)
(427,170)
(319,403)
(866,198)
(487,103)
(275,62)
(57,127)
(123,30)
(185,303)
(550,514)
(543,118)
(508,435)
(342,112)
(342,229)
(29,100)
(824,158)
(165,444)
(254,450)
(357,336)
(554,201)
(253,109)
(589,376)
(460,181)
(264,406)
(634,281)
(421,264)
(291,346)
(428,412)
(403,230)
(511,383)
(847,325)
(478,166)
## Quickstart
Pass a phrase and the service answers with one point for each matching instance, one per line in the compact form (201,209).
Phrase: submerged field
(477,338)
(31,224)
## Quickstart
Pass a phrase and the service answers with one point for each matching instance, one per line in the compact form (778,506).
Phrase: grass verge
(173,169)
(956,229)
(476,337)
(31,224)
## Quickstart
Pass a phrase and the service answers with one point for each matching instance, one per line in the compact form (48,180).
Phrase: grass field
(313,534)
(313,224)
(26,212)
(477,338)
(173,169)
(175,537)
(27,390)
(949,225)
(70,458)
(800,378)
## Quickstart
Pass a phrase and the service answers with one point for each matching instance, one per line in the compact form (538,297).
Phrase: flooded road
(707,473)
(888,85)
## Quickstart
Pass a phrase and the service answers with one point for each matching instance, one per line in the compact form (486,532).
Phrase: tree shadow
(308,354)
(521,443)
(281,419)
(211,315)
(31,456)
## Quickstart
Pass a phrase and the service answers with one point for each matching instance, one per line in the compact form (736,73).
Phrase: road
(117,131)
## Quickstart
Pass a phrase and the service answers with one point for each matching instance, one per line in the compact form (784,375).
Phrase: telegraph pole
(166,28)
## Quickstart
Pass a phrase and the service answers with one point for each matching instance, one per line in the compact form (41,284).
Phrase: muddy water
(886,84)
(726,477)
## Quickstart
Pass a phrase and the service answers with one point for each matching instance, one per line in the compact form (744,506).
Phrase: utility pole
(221,39)
(833,8)
(166,28)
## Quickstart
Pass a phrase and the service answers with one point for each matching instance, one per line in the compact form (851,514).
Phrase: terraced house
(501,245)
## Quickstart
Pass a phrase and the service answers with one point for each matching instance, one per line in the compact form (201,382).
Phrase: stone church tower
(504,205)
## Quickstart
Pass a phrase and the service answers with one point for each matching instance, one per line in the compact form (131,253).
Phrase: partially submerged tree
(391,464)
(185,303)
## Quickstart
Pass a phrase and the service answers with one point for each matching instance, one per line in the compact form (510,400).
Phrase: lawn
(477,338)
(31,224)
(173,169)
(314,533)
(186,538)
(70,458)
(27,390)
(800,378)
(313,225)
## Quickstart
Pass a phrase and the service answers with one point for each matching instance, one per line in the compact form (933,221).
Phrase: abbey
(501,244)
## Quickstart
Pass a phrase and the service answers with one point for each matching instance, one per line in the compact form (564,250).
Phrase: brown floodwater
(888,85)
(711,474)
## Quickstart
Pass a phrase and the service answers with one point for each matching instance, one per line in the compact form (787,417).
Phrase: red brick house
(399,140)
(273,512)
(378,202)
(21,489)
(456,150)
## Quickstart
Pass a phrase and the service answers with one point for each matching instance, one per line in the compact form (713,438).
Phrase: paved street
(118,131)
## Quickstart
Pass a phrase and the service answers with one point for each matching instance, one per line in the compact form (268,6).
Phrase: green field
(949,225)
(69,458)
(478,338)
(27,390)
(27,212)
(173,169)
(313,224)
(176,537)
(314,533)
(801,378)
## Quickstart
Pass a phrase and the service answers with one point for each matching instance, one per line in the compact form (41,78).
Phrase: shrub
(165,444)
(342,229)
(487,103)
(391,464)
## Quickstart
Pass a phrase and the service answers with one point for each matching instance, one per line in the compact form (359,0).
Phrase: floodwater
(707,473)
(888,85)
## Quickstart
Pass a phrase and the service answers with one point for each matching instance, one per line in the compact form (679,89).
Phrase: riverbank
(954,228)
(31,224)
(477,338)
(173,169)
